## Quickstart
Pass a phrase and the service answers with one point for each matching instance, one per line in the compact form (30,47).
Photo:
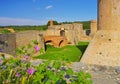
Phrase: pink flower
(17,74)
(26,57)
(1,61)
(37,48)
(1,50)
(30,71)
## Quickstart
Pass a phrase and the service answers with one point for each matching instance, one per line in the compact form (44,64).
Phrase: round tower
(104,49)
(109,14)
(93,27)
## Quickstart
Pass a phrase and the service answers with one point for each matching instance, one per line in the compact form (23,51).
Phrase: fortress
(72,32)
(104,36)
(57,35)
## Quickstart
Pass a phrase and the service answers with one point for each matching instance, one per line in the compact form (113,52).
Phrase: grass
(25,28)
(4,31)
(70,53)
(82,46)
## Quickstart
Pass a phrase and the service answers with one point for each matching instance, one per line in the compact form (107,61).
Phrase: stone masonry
(73,32)
(65,33)
(104,47)
(93,26)
(9,42)
(56,41)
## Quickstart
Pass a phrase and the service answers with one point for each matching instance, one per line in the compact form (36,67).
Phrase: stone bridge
(57,41)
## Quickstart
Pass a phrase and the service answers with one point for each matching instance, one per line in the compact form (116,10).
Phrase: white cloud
(48,7)
(4,21)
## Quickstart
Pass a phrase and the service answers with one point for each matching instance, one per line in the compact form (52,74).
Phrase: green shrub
(4,31)
(20,71)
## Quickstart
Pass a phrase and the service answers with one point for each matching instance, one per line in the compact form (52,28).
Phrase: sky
(39,12)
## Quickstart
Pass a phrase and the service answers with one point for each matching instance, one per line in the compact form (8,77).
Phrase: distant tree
(86,24)
(67,22)
(54,23)
(26,27)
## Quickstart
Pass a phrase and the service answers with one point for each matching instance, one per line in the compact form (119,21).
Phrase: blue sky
(38,12)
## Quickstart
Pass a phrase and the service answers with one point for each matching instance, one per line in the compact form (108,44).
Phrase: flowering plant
(30,71)
(30,50)
(22,71)
(15,71)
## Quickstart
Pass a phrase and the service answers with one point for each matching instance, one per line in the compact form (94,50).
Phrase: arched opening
(87,32)
(60,43)
(62,33)
(48,44)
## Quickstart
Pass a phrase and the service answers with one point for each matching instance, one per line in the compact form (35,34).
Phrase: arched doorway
(48,43)
(87,32)
(62,33)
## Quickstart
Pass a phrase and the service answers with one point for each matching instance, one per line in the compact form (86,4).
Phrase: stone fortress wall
(9,42)
(26,37)
(72,33)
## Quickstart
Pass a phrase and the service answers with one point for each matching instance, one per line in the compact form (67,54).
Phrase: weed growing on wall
(30,50)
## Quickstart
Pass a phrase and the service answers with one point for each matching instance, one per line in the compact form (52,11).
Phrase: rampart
(9,42)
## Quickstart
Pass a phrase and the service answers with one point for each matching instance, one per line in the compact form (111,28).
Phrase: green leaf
(54,78)
(61,73)
(69,71)
(49,73)
(22,47)
(47,63)
(35,42)
(41,68)
(87,75)
(48,82)
(3,56)
(42,51)
(56,65)
(29,46)
(38,77)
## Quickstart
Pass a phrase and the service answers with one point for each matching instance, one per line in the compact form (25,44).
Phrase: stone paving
(100,74)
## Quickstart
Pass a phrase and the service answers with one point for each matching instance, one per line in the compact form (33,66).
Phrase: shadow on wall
(61,42)
(82,46)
